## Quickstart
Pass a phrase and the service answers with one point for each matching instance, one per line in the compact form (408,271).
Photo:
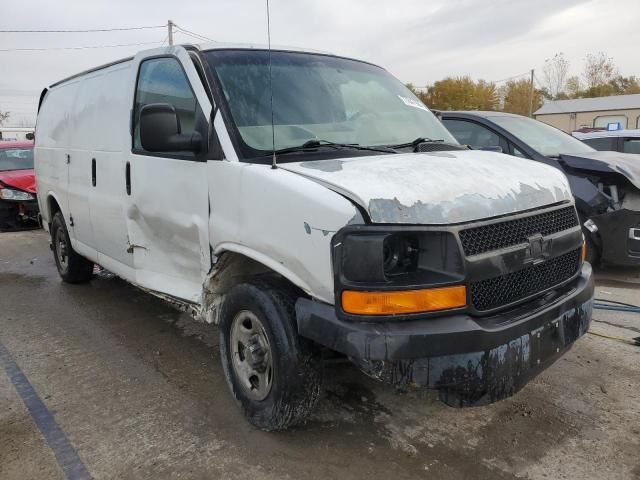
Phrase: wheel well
(52,207)
(231,269)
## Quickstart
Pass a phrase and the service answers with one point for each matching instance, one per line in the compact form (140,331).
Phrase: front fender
(280,219)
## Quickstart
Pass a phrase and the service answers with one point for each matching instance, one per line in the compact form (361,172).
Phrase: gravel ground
(138,391)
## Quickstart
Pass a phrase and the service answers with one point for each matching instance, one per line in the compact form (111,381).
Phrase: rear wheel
(274,374)
(73,268)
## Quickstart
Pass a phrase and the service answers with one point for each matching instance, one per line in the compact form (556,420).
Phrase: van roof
(201,47)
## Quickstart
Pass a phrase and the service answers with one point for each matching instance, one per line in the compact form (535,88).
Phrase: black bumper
(617,248)
(17,215)
(470,360)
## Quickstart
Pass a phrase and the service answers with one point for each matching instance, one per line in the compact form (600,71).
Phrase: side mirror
(160,130)
(492,148)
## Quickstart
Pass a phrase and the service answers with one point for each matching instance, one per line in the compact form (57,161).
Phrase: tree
(574,87)
(555,74)
(461,93)
(625,85)
(4,116)
(516,97)
(599,69)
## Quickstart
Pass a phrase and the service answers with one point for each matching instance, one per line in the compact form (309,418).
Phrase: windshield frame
(30,147)
(245,152)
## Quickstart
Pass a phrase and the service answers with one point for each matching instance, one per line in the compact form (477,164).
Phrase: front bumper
(617,247)
(471,361)
(17,215)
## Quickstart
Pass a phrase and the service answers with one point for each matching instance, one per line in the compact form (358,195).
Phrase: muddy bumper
(619,235)
(17,215)
(471,361)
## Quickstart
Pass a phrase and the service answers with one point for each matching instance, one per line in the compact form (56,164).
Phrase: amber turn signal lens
(584,250)
(404,302)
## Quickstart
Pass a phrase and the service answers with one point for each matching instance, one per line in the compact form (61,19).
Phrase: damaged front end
(18,209)
(527,298)
(487,376)
(606,186)
(471,361)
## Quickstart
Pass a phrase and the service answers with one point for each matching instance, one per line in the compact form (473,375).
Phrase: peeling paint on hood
(439,187)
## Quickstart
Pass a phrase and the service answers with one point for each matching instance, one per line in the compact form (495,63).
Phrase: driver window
(162,80)
(471,133)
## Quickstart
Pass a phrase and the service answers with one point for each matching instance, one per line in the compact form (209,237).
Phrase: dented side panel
(167,211)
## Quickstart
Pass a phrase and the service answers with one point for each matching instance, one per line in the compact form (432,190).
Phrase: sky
(419,41)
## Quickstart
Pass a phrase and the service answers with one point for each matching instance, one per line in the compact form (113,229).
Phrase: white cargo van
(376,235)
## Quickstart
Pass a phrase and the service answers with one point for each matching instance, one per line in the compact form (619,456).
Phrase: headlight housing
(15,195)
(396,271)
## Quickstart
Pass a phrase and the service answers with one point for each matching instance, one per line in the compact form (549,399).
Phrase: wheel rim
(62,250)
(251,356)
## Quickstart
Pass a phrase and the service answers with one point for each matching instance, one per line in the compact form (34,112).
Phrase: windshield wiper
(314,144)
(416,142)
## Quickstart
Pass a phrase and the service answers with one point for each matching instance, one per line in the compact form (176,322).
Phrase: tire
(274,374)
(72,267)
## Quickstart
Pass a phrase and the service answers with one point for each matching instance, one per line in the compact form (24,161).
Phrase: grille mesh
(512,232)
(498,291)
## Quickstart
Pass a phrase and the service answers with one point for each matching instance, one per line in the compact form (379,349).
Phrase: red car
(18,204)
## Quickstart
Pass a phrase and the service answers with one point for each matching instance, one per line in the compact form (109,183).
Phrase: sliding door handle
(128,178)
(93,172)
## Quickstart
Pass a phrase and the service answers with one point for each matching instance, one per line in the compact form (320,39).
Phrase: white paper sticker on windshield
(410,102)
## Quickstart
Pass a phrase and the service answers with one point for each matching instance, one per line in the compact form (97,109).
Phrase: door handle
(127,175)
(93,172)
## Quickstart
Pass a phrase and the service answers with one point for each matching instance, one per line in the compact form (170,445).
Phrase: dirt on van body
(139,392)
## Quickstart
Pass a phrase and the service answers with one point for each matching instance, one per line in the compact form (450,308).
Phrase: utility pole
(531,95)
(170,36)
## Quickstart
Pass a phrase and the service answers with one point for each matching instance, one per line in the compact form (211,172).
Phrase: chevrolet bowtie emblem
(538,250)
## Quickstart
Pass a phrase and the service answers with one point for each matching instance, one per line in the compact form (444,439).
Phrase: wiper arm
(313,144)
(416,142)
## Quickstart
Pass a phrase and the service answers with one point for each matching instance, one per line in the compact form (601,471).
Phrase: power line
(115,29)
(75,48)
(489,81)
(512,77)
(193,34)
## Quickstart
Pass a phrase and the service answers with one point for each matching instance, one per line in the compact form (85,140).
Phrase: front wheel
(274,374)
(72,267)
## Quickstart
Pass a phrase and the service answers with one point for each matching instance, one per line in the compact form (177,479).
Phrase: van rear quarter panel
(52,139)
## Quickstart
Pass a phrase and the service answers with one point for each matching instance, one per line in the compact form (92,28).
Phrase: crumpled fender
(625,164)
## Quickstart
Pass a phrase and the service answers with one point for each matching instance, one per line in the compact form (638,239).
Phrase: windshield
(318,97)
(547,140)
(16,158)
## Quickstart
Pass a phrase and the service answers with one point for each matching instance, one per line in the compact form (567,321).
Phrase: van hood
(625,164)
(439,187)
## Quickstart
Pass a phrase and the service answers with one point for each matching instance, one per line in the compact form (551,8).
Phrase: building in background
(16,133)
(599,112)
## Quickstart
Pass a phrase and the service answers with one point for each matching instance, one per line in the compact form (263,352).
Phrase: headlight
(16,195)
(400,254)
(393,271)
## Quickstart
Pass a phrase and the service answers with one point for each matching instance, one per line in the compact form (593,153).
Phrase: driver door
(167,195)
